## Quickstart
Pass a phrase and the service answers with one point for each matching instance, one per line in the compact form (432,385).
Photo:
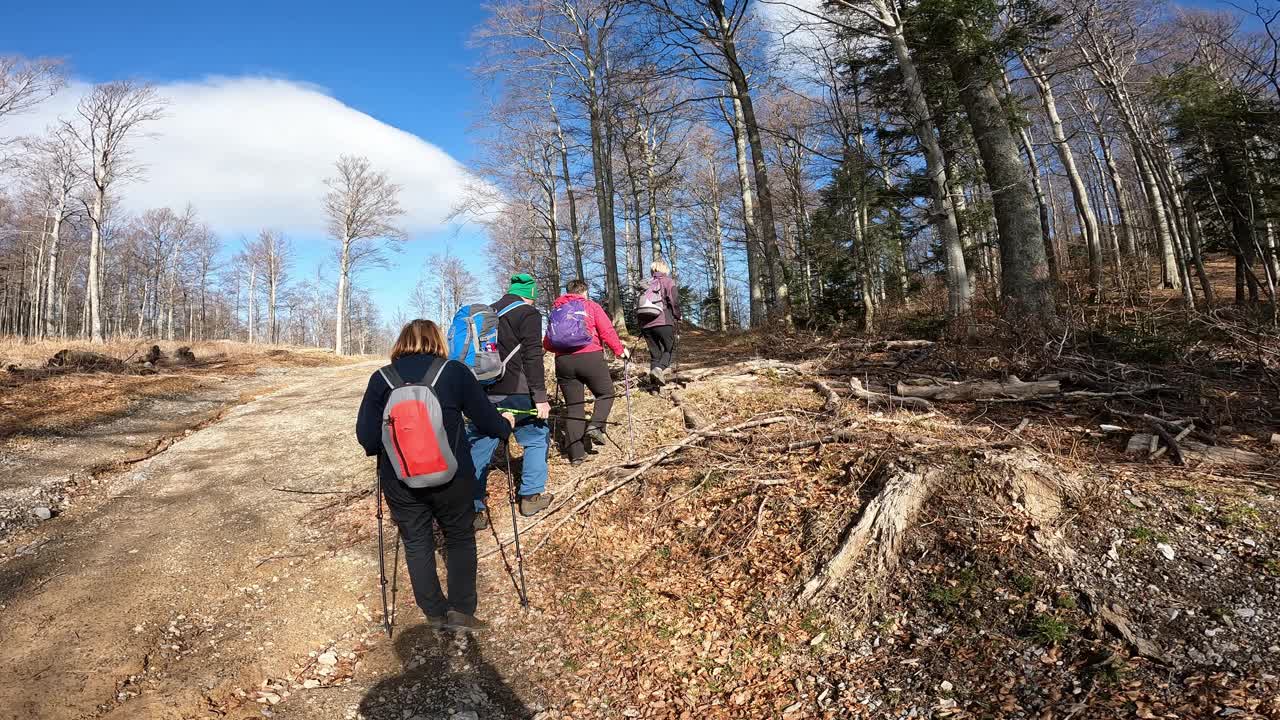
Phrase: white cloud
(253,152)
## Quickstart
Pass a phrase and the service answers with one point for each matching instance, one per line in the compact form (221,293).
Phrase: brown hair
(419,337)
(576,287)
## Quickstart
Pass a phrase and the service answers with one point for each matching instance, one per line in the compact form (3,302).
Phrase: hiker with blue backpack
(502,343)
(578,330)
(658,314)
(411,418)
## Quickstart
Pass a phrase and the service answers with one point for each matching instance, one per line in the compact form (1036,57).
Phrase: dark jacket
(670,302)
(525,374)
(459,393)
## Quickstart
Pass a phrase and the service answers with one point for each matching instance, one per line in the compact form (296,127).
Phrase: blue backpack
(473,341)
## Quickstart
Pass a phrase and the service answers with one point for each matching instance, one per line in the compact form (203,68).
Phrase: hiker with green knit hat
(523,386)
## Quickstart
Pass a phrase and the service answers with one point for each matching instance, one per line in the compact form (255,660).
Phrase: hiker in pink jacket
(577,331)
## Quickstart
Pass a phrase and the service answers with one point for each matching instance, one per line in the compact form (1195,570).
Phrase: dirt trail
(196,577)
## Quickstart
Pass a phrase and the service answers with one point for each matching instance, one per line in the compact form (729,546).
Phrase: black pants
(573,372)
(661,341)
(449,505)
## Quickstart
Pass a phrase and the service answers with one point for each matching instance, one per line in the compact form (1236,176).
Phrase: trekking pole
(382,560)
(631,430)
(515,527)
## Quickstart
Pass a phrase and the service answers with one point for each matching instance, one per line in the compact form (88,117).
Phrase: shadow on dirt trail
(444,676)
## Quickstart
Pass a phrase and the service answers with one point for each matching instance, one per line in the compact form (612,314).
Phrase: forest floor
(1046,573)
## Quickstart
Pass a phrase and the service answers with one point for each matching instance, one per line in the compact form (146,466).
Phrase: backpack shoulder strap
(435,371)
(392,377)
(510,307)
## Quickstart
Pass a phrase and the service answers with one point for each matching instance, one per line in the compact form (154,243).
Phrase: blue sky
(406,64)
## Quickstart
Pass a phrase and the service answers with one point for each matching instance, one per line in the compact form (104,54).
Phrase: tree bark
(1026,289)
(1046,234)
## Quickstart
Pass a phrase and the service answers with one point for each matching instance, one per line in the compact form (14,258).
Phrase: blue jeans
(532,434)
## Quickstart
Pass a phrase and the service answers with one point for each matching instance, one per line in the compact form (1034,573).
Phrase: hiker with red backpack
(578,330)
(519,384)
(658,314)
(411,418)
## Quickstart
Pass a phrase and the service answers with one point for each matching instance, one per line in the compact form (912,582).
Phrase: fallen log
(832,402)
(889,402)
(905,344)
(693,420)
(978,389)
(1141,444)
(84,360)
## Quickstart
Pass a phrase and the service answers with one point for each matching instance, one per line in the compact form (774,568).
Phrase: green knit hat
(524,285)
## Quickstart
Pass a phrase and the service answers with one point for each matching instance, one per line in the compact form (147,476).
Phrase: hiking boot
(464,622)
(596,435)
(481,522)
(574,462)
(437,622)
(531,505)
(659,376)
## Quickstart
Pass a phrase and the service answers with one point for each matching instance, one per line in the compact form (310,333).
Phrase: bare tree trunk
(1027,291)
(553,233)
(51,285)
(604,205)
(651,187)
(749,219)
(779,300)
(1109,217)
(1088,220)
(1050,251)
(575,234)
(340,322)
(942,214)
(93,288)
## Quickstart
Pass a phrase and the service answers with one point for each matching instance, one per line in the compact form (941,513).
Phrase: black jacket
(525,374)
(459,393)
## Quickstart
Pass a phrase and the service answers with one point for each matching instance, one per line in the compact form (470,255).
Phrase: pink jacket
(601,328)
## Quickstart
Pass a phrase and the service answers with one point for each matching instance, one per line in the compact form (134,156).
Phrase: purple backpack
(569,326)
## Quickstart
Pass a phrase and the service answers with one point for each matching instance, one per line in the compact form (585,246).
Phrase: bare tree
(25,84)
(363,207)
(106,119)
(55,179)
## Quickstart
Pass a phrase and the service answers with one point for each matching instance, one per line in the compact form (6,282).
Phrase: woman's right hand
(511,419)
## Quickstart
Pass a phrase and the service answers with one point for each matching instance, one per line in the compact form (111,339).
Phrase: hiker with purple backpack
(658,314)
(578,330)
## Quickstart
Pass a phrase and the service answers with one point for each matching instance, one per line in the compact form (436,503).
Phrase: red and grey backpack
(413,433)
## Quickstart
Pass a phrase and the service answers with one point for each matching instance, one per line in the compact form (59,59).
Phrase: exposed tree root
(880,527)
(871,543)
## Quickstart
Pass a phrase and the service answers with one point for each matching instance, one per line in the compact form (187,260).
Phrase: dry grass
(66,402)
